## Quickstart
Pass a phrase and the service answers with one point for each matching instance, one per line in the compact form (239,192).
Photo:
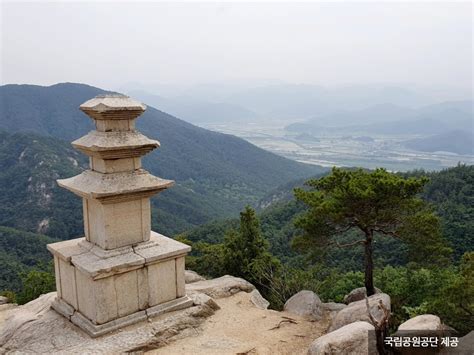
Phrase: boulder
(425,322)
(192,276)
(357,294)
(305,303)
(333,306)
(224,286)
(357,311)
(27,314)
(465,346)
(35,328)
(354,338)
(257,299)
(201,299)
(4,300)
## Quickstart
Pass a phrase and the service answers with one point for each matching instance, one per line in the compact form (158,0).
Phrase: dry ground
(240,328)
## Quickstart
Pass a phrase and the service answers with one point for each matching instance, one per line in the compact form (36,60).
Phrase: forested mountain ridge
(216,174)
(450,191)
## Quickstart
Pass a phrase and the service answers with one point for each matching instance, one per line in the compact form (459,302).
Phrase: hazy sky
(108,44)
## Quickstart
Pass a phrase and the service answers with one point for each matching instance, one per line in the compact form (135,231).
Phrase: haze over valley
(360,125)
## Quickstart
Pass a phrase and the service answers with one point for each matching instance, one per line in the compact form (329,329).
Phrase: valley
(344,148)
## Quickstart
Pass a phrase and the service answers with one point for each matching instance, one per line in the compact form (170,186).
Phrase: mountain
(450,191)
(390,119)
(305,101)
(21,251)
(459,142)
(216,174)
(197,111)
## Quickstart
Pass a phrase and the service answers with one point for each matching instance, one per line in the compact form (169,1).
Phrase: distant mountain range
(459,142)
(226,103)
(388,119)
(216,174)
(197,111)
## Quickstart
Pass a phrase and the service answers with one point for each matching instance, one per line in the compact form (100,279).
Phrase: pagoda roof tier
(115,145)
(115,187)
(113,107)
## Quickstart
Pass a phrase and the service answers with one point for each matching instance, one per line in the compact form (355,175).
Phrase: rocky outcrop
(238,325)
(357,294)
(258,301)
(465,346)
(224,286)
(192,276)
(357,311)
(36,328)
(354,338)
(201,299)
(3,300)
(333,306)
(425,322)
(27,314)
(305,303)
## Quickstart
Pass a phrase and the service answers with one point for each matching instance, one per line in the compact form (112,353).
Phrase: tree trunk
(369,265)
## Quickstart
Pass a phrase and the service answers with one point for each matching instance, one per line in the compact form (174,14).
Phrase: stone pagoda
(121,272)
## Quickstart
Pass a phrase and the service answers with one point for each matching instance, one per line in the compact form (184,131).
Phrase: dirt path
(240,328)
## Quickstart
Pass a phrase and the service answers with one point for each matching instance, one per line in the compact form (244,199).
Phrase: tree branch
(393,234)
(362,241)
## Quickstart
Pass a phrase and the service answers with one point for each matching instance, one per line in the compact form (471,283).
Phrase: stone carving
(121,272)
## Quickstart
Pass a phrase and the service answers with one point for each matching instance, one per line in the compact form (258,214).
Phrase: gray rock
(36,328)
(224,286)
(357,311)
(355,338)
(357,294)
(424,322)
(192,276)
(201,299)
(3,300)
(257,299)
(465,346)
(305,303)
(26,314)
(333,306)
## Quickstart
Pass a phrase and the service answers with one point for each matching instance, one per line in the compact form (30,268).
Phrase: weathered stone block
(68,283)
(114,165)
(119,224)
(127,293)
(180,279)
(162,282)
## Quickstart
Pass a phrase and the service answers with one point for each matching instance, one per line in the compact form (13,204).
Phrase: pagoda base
(96,330)
(103,290)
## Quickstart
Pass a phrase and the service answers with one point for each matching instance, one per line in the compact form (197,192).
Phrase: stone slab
(95,185)
(173,305)
(131,141)
(63,308)
(95,330)
(160,248)
(112,102)
(180,280)
(65,250)
(96,267)
(161,282)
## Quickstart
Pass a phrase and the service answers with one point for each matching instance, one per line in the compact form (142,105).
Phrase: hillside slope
(216,174)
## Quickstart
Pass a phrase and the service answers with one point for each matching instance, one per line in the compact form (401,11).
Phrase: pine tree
(374,203)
